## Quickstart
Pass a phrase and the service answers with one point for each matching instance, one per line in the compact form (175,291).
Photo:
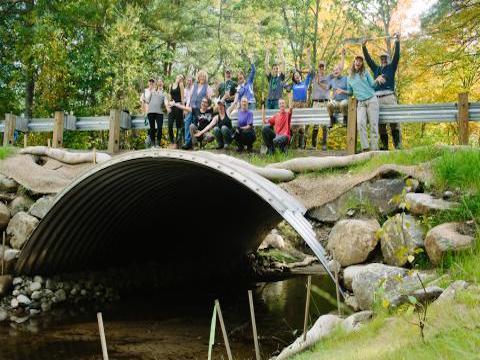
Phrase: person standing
(384,75)
(144,98)
(176,114)
(276,79)
(200,91)
(244,133)
(157,101)
(361,85)
(276,132)
(245,86)
(227,89)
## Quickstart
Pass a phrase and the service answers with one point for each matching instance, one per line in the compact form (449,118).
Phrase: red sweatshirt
(281,122)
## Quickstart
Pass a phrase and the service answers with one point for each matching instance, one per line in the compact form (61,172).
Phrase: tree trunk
(315,38)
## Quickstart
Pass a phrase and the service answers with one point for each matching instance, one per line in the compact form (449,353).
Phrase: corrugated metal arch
(107,214)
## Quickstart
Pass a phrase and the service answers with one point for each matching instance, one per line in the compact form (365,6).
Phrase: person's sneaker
(187,147)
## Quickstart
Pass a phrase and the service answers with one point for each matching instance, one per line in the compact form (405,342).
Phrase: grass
(5,151)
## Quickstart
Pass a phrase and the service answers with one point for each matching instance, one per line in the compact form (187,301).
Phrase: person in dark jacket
(384,75)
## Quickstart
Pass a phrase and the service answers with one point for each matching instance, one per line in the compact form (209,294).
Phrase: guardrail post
(58,129)
(114,131)
(8,135)
(352,126)
(462,118)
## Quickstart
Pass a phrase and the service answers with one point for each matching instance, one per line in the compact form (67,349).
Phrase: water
(169,326)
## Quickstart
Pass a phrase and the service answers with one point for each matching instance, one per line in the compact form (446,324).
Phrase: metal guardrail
(421,113)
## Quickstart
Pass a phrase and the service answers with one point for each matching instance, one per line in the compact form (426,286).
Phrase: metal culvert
(188,210)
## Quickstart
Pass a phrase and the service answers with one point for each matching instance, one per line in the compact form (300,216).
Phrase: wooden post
(25,140)
(307,308)
(58,129)
(254,325)
(9,131)
(462,118)
(49,142)
(3,254)
(352,126)
(103,341)
(337,286)
(224,331)
(114,131)
(94,156)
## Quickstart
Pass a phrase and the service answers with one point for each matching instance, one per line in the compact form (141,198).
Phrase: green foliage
(5,152)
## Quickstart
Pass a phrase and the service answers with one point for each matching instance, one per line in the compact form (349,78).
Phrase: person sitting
(276,132)
(201,118)
(222,127)
(244,133)
(339,101)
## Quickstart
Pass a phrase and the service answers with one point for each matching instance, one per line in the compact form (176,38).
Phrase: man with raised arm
(276,132)
(227,89)
(245,86)
(384,75)
(276,79)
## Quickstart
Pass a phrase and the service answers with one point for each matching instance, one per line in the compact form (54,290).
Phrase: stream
(170,326)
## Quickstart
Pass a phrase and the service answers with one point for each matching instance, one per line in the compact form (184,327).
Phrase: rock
(20,228)
(448,194)
(6,282)
(377,193)
(273,241)
(41,206)
(46,306)
(35,286)
(351,271)
(412,185)
(3,314)
(23,300)
(20,204)
(60,296)
(14,303)
(4,216)
(10,254)
(428,295)
(38,279)
(450,293)
(17,281)
(351,301)
(334,266)
(400,236)
(8,185)
(37,295)
(351,241)
(355,321)
(379,282)
(422,204)
(34,312)
(446,238)
(323,327)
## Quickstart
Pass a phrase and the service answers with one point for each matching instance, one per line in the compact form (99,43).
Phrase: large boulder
(356,320)
(20,228)
(450,293)
(41,206)
(400,236)
(351,241)
(273,240)
(20,204)
(386,284)
(446,238)
(4,216)
(8,185)
(376,193)
(422,204)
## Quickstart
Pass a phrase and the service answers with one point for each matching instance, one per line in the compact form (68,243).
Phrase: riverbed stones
(273,240)
(7,184)
(34,286)
(20,228)
(422,204)
(446,238)
(400,236)
(3,314)
(23,300)
(5,285)
(429,294)
(385,284)
(352,240)
(450,293)
(41,207)
(4,216)
(376,193)
(20,204)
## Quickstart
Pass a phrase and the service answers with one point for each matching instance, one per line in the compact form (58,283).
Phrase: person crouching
(276,132)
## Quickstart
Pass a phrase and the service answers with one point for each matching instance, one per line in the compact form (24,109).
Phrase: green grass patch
(5,151)
(458,169)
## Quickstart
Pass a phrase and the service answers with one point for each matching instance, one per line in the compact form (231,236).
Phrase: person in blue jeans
(200,90)
(276,79)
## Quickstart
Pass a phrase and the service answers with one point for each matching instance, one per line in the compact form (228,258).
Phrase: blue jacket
(387,71)
(246,89)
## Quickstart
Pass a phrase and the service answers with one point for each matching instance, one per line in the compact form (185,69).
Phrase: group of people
(202,114)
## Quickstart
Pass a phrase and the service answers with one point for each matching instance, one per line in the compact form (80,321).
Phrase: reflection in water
(166,326)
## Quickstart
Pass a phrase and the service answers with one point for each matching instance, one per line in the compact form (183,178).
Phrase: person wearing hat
(276,79)
(227,89)
(361,84)
(384,74)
